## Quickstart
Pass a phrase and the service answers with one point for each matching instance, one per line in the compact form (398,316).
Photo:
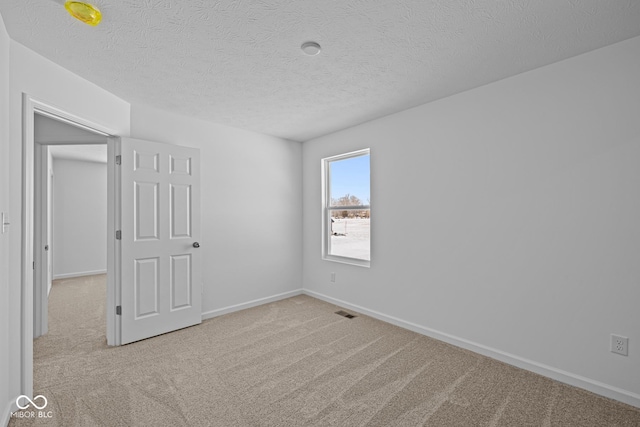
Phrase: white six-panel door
(160,276)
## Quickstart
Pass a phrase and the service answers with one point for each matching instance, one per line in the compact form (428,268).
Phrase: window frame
(327,209)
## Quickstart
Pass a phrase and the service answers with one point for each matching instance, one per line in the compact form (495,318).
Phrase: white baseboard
(529,365)
(254,303)
(81,273)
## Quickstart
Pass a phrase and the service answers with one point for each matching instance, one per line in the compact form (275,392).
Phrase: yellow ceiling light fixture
(85,12)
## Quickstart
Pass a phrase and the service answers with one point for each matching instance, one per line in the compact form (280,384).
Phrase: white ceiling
(239,63)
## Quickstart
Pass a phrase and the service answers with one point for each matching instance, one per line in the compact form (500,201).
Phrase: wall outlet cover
(619,345)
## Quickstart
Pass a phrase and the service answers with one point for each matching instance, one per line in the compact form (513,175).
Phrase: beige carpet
(288,363)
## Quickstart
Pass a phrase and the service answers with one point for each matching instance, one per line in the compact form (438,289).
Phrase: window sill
(345,260)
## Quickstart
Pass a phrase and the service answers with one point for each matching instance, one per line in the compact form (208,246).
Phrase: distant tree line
(349,200)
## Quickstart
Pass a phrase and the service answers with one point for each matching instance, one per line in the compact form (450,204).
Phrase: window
(347,209)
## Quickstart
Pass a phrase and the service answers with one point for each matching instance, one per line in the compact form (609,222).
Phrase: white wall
(50,83)
(5,389)
(506,219)
(79,218)
(251,206)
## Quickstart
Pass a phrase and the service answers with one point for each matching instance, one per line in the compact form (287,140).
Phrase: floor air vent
(345,314)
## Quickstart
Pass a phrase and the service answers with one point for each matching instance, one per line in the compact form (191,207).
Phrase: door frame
(40,238)
(31,106)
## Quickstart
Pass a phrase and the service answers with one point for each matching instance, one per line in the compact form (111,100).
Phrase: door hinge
(118,235)
(33,265)
(119,310)
(118,159)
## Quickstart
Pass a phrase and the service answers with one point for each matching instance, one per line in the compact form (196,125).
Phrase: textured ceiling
(239,63)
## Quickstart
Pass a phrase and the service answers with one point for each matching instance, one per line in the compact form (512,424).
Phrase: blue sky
(351,176)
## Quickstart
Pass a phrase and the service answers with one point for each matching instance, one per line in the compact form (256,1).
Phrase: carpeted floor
(289,363)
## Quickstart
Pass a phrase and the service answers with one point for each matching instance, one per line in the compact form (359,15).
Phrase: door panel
(161,287)
(147,286)
(146,211)
(180,211)
(181,281)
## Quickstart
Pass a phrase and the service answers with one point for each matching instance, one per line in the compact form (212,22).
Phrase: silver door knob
(196,244)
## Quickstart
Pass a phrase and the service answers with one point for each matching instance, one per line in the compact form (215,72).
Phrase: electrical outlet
(619,345)
(333,277)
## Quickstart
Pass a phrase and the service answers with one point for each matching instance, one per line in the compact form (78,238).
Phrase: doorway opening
(34,279)
(70,208)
